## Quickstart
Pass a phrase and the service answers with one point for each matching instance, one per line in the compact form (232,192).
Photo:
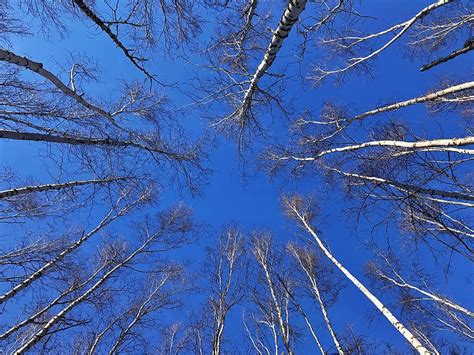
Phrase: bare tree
(351,42)
(297,210)
(173,231)
(308,262)
(419,299)
(276,308)
(115,212)
(226,270)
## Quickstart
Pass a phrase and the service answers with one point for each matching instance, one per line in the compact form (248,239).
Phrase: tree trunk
(47,187)
(384,310)
(289,18)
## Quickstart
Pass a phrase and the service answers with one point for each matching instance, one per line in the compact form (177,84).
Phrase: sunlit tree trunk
(315,290)
(290,17)
(38,68)
(380,306)
(59,186)
(110,217)
(33,318)
(261,250)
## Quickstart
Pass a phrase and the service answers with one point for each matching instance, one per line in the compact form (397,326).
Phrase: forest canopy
(236,177)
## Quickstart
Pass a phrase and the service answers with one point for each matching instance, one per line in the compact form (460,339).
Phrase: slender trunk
(432,145)
(317,294)
(430,295)
(452,142)
(40,137)
(56,318)
(303,314)
(418,100)
(281,323)
(405,26)
(140,313)
(216,343)
(384,310)
(89,13)
(41,271)
(292,12)
(48,187)
(99,337)
(45,309)
(36,67)
(407,187)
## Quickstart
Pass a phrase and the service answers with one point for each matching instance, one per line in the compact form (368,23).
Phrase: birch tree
(351,43)
(173,231)
(227,272)
(275,306)
(246,79)
(308,262)
(419,299)
(296,209)
(423,179)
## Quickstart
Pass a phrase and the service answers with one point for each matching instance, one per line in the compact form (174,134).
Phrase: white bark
(46,308)
(315,289)
(407,187)
(405,26)
(289,18)
(261,253)
(42,270)
(379,305)
(36,67)
(303,314)
(48,187)
(40,137)
(99,336)
(142,311)
(418,100)
(419,145)
(56,318)
(403,284)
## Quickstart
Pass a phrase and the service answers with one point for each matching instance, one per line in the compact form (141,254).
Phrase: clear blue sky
(254,202)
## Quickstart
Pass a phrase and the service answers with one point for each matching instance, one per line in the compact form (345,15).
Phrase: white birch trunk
(431,145)
(407,187)
(379,305)
(40,137)
(418,100)
(36,67)
(317,294)
(55,319)
(289,18)
(45,309)
(403,284)
(48,187)
(42,270)
(140,313)
(405,26)
(284,329)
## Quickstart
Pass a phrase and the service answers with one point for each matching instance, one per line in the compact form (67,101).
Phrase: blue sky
(253,201)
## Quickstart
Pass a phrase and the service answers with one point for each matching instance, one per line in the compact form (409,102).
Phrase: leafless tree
(242,55)
(172,231)
(274,304)
(299,210)
(423,180)
(351,44)
(226,269)
(419,299)
(311,266)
